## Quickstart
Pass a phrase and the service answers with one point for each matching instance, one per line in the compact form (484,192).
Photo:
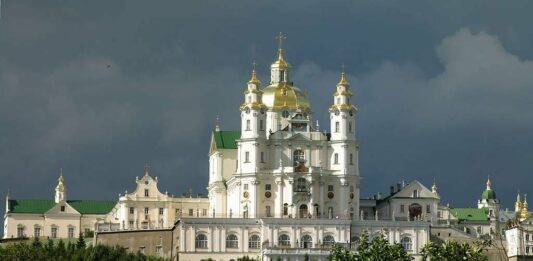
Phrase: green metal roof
(470,214)
(226,139)
(40,206)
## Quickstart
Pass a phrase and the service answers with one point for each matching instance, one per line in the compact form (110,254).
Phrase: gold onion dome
(280,62)
(343,80)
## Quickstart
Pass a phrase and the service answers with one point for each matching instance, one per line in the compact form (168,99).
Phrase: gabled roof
(470,214)
(226,139)
(40,206)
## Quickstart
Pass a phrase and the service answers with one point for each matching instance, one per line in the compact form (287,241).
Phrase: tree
(378,249)
(453,250)
(80,244)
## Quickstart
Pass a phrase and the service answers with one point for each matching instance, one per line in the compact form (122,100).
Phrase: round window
(268,194)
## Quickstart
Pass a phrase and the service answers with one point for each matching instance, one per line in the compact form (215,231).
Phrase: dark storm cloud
(102,87)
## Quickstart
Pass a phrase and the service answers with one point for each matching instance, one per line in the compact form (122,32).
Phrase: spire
(281,60)
(343,80)
(434,187)
(60,181)
(217,126)
(254,79)
(518,203)
(524,213)
(489,184)
(146,169)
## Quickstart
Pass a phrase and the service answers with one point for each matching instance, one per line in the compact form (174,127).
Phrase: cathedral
(278,188)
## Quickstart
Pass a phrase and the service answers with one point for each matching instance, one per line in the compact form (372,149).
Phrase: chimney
(375,197)
(398,187)
(391,190)
(379,195)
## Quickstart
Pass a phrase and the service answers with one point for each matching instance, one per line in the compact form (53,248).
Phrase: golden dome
(253,79)
(283,95)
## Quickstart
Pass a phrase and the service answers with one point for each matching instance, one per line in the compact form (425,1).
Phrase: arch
(406,242)
(232,241)
(284,240)
(328,240)
(415,210)
(254,242)
(200,241)
(303,211)
(306,241)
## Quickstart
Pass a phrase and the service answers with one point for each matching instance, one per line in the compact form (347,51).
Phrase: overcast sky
(99,88)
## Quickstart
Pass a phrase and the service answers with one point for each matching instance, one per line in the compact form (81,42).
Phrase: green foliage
(80,244)
(71,251)
(378,249)
(209,259)
(452,250)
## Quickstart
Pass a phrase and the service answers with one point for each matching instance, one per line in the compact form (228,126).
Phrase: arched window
(337,126)
(284,240)
(307,241)
(328,240)
(415,210)
(406,243)
(201,241)
(254,242)
(285,209)
(232,241)
(297,156)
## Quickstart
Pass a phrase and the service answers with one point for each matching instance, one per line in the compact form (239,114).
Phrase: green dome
(488,194)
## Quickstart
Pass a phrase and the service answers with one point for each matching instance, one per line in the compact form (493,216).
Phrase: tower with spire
(61,189)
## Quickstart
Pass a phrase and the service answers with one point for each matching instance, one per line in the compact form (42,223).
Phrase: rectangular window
(131,224)
(337,124)
(247,157)
(351,159)
(161,211)
(261,125)
(350,127)
(191,212)
(428,208)
(53,233)
(204,212)
(527,250)
(247,125)
(146,211)
(62,208)
(415,193)
(146,193)
(336,158)
(402,209)
(132,210)
(37,232)
(267,211)
(70,232)
(439,214)
(20,231)
(527,237)
(330,188)
(88,230)
(268,187)
(245,186)
(262,157)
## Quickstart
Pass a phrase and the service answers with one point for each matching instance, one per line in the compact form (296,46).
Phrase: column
(322,207)
(182,238)
(278,208)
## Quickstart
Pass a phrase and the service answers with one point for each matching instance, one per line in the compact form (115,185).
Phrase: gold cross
(253,65)
(280,38)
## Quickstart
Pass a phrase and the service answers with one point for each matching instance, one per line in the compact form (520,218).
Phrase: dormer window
(146,193)
(62,208)
(415,193)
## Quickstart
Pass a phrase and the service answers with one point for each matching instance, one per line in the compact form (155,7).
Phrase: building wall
(150,242)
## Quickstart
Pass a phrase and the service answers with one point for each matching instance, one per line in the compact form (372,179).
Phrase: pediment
(421,190)
(299,137)
(62,208)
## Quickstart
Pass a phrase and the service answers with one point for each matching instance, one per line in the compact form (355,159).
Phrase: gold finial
(281,60)
(524,213)
(146,169)
(60,180)
(254,79)
(343,80)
